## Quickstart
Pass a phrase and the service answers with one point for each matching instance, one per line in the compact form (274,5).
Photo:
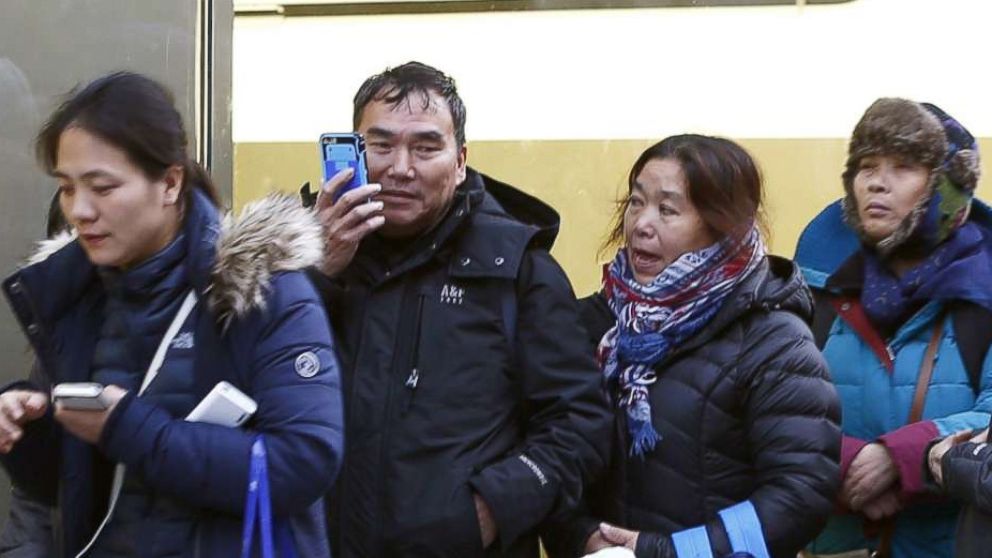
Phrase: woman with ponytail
(153,297)
(728,432)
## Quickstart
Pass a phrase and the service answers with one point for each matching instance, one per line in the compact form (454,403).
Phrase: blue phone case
(341,151)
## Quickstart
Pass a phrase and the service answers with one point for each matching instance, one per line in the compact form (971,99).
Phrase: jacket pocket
(446,526)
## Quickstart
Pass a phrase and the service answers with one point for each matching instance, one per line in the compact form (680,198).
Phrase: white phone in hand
(80,396)
(225,405)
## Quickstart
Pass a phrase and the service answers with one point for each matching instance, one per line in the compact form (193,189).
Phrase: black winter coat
(746,411)
(465,371)
(967,472)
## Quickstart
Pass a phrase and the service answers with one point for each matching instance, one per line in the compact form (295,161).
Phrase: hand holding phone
(349,219)
(83,408)
(80,396)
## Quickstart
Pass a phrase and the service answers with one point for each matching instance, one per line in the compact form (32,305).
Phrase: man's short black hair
(396,85)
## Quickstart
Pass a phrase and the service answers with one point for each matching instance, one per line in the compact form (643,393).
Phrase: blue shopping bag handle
(258,508)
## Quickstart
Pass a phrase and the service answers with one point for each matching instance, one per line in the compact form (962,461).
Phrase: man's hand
(347,221)
(871,473)
(939,449)
(618,537)
(88,425)
(487,524)
(981,437)
(885,505)
(17,408)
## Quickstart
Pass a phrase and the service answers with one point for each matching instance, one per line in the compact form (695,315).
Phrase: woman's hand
(616,536)
(17,408)
(871,473)
(885,505)
(596,542)
(937,452)
(88,425)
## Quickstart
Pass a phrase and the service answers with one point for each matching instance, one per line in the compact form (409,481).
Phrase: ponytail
(196,177)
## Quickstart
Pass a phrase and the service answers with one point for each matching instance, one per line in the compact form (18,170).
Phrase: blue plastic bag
(258,511)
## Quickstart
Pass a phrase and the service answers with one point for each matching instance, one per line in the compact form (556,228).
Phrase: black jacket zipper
(413,379)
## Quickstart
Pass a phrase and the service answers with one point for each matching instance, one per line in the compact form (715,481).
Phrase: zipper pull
(413,379)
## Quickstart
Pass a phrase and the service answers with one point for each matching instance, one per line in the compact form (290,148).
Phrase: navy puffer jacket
(258,325)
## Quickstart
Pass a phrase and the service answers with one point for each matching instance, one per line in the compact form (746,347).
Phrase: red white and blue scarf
(653,319)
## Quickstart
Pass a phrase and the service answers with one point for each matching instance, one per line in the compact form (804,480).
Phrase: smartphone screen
(342,151)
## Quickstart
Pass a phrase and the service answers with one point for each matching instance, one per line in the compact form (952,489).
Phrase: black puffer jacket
(505,401)
(967,472)
(746,411)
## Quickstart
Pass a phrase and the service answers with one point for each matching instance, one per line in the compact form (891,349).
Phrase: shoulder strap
(973,331)
(926,372)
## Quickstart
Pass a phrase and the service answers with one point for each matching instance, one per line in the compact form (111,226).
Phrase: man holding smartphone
(474,411)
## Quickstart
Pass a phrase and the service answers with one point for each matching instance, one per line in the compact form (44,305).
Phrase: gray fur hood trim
(271,235)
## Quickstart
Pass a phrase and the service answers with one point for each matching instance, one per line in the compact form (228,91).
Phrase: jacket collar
(849,277)
(484,234)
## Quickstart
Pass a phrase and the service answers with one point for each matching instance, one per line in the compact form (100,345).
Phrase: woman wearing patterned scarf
(728,432)
(905,325)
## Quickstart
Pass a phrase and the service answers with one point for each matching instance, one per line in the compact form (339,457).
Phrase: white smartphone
(225,405)
(80,396)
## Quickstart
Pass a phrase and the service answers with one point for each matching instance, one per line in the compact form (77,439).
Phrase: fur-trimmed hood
(233,259)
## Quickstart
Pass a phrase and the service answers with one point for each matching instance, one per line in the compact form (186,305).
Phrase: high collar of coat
(230,260)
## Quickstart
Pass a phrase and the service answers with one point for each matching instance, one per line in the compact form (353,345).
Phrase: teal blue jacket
(876,382)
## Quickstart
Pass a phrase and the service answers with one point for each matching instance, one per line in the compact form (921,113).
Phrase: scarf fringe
(643,437)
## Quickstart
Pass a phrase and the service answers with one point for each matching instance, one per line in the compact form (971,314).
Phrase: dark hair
(724,184)
(135,114)
(396,85)
(56,222)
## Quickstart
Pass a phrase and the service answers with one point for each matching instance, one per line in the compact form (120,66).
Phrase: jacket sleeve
(907,445)
(566,438)
(793,417)
(967,472)
(300,417)
(32,464)
(565,534)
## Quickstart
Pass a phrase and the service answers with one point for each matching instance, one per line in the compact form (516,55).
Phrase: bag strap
(887,526)
(117,483)
(258,510)
(926,372)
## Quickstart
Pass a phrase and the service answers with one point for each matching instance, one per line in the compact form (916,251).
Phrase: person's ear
(461,163)
(173,180)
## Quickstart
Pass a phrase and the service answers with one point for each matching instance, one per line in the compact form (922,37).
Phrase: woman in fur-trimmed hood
(905,323)
(107,303)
